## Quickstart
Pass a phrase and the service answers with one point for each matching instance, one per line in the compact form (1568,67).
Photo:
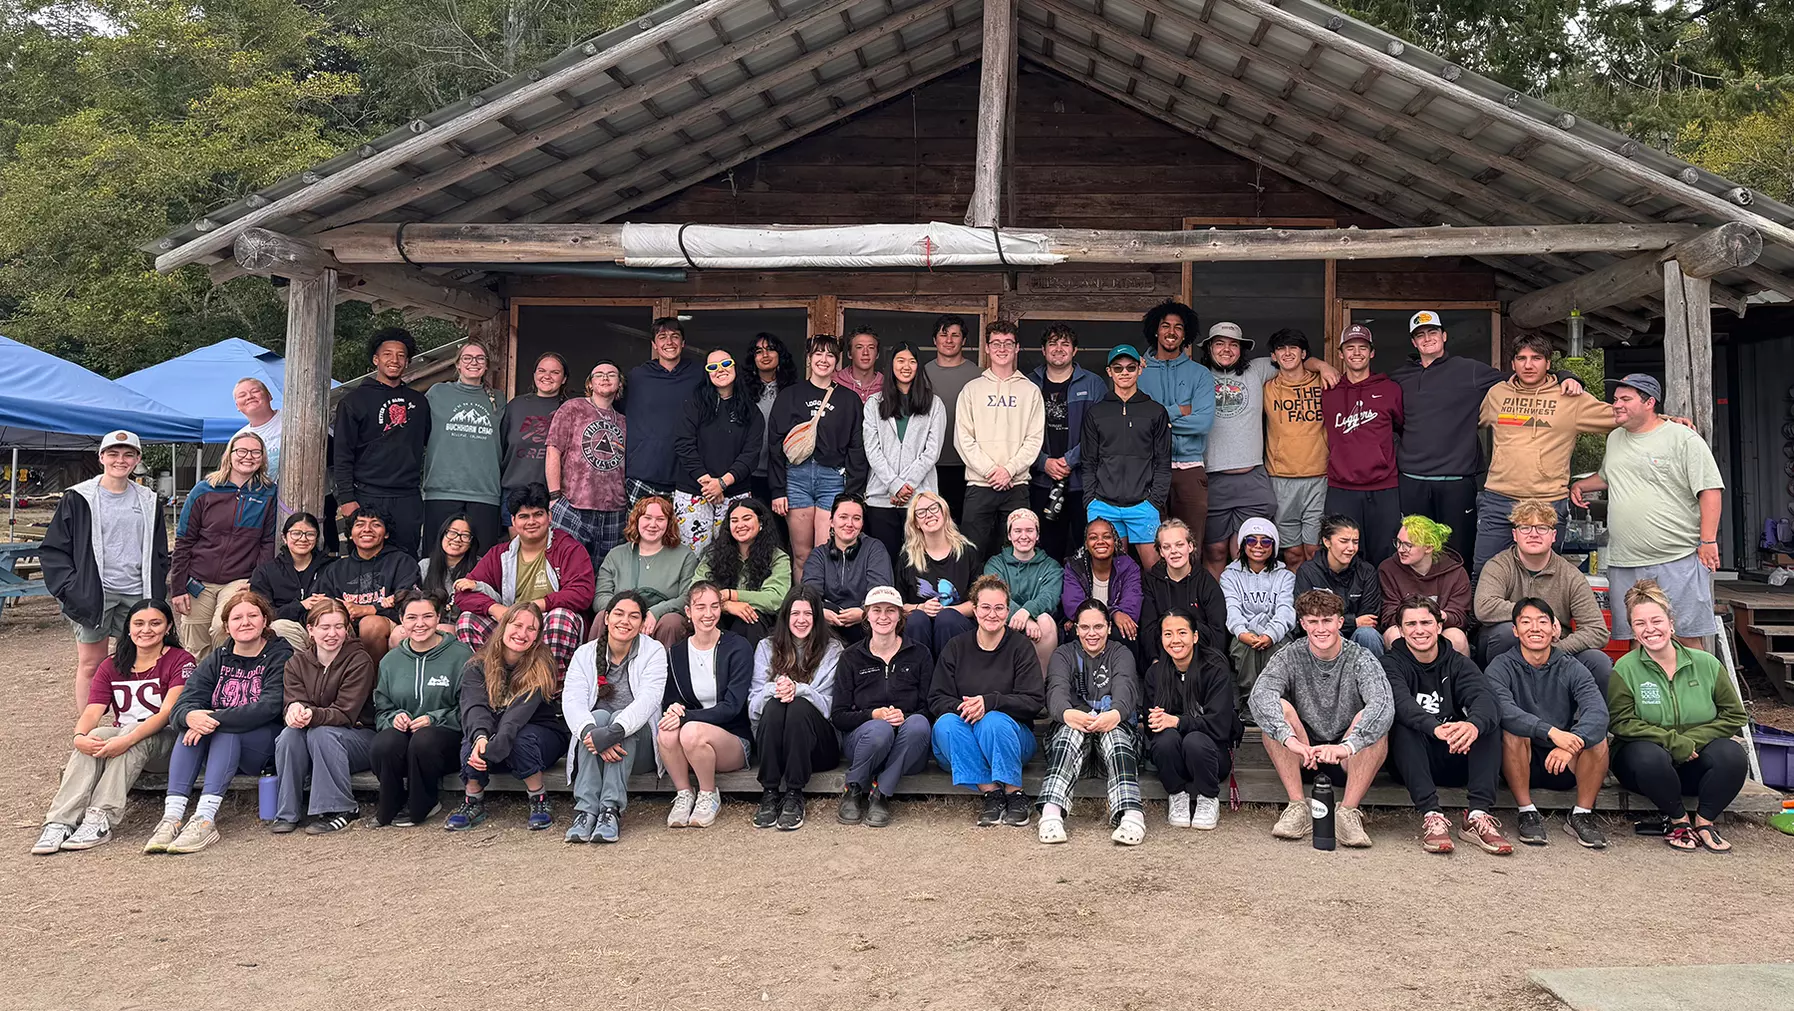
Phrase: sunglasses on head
(726,363)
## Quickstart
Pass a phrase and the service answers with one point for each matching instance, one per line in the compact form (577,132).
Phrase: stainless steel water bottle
(1321,806)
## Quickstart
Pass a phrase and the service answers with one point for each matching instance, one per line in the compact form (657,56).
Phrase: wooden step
(1783,630)
(1781,658)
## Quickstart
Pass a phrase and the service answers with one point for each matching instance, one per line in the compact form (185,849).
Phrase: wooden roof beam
(1712,252)
(260,251)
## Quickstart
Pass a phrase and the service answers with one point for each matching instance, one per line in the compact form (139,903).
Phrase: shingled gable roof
(693,89)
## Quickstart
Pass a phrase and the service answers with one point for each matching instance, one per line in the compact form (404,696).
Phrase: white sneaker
(166,830)
(1052,830)
(51,839)
(1208,813)
(1178,813)
(703,813)
(95,829)
(680,815)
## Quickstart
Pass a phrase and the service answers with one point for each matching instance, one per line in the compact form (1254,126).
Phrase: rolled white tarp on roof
(768,247)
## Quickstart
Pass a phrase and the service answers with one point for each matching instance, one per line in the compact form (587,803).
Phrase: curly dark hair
(1149,323)
(728,568)
(794,658)
(786,375)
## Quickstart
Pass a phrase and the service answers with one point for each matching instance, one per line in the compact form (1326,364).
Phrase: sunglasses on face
(1125,367)
(714,367)
(1257,542)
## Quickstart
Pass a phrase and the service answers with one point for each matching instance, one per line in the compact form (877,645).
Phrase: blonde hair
(1646,591)
(1173,524)
(1531,512)
(915,545)
(534,670)
(222,474)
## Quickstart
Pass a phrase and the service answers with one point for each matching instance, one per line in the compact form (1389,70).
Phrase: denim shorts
(810,485)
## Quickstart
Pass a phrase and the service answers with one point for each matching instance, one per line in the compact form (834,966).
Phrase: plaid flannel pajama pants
(1067,751)
(562,630)
(598,529)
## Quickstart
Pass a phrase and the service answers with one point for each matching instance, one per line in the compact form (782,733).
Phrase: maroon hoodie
(1362,420)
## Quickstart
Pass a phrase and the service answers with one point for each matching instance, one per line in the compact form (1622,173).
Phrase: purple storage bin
(1775,750)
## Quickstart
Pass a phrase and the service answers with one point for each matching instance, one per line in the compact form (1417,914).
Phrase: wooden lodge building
(1077,161)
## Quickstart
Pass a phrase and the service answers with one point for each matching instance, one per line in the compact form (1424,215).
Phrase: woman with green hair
(1423,566)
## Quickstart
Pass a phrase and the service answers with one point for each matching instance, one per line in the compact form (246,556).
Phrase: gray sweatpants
(597,782)
(877,751)
(329,756)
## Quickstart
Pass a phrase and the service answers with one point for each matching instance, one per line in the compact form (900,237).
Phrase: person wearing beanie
(1261,594)
(1423,566)
(381,429)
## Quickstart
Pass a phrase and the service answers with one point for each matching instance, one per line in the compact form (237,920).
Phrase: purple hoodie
(1124,585)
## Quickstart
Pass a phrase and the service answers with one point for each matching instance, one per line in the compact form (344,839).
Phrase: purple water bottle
(268,796)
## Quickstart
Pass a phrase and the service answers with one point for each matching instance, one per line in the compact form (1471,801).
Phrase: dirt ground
(931,911)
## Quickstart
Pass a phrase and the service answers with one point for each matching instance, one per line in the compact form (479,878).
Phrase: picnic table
(12,585)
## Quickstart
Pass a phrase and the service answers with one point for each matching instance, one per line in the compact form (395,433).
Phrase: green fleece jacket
(427,684)
(1034,584)
(1684,713)
(766,598)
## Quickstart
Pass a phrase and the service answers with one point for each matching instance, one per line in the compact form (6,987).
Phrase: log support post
(995,80)
(311,336)
(1687,348)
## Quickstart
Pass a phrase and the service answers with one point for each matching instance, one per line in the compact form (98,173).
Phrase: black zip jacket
(500,726)
(356,580)
(1442,404)
(71,571)
(380,434)
(285,587)
(715,445)
(243,693)
(1009,677)
(1448,690)
(1202,698)
(863,683)
(1197,592)
(1357,585)
(1125,450)
(734,677)
(839,442)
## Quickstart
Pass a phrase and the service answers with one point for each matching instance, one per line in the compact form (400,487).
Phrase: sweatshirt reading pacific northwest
(1535,430)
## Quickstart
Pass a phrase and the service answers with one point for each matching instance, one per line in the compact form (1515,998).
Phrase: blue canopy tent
(48,403)
(202,382)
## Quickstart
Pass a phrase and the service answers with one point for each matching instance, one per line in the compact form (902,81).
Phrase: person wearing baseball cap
(880,693)
(1186,389)
(1295,447)
(105,549)
(1440,451)
(1663,499)
(1239,488)
(1127,454)
(1364,416)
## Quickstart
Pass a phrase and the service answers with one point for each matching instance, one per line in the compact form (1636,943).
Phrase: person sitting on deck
(704,727)
(541,566)
(1423,566)
(880,694)
(1193,719)
(1553,723)
(655,562)
(370,579)
(1261,595)
(1341,567)
(613,691)
(935,574)
(1104,572)
(789,701)
(1530,568)
(846,568)
(1035,583)
(1093,697)
(753,572)
(417,714)
(1324,705)
(290,581)
(329,732)
(509,720)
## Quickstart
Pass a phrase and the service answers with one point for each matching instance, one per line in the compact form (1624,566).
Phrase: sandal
(1052,830)
(1681,837)
(1710,839)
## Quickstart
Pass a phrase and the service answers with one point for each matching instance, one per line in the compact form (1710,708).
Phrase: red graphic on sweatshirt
(397,412)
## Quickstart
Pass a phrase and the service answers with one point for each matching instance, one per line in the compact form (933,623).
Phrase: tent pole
(12,507)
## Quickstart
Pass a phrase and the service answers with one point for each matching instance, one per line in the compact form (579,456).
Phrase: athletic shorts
(1686,581)
(114,609)
(1299,507)
(1235,498)
(810,485)
(1137,524)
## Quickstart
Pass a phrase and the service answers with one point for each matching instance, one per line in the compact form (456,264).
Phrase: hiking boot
(1177,810)
(582,829)
(990,808)
(540,814)
(166,830)
(791,812)
(51,839)
(703,813)
(1484,829)
(1348,827)
(1016,809)
(1532,828)
(608,825)
(1435,833)
(197,835)
(853,805)
(335,823)
(1294,823)
(1581,825)
(1207,814)
(878,810)
(680,815)
(404,820)
(767,814)
(471,812)
(282,827)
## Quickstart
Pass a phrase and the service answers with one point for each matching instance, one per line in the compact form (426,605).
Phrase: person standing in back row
(948,374)
(1364,417)
(525,429)
(661,385)
(1000,425)
(585,464)
(461,465)
(1187,392)
(861,374)
(1295,447)
(381,429)
(256,405)
(818,450)
(1067,390)
(1126,459)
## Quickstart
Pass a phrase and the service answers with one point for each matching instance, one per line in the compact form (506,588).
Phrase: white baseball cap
(1231,331)
(120,437)
(883,595)
(1425,317)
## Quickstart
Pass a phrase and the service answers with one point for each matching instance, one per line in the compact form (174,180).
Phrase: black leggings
(410,767)
(1715,776)
(1190,763)
(795,740)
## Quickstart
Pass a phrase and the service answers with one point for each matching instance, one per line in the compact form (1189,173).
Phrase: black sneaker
(335,823)
(878,811)
(1531,828)
(1581,825)
(991,811)
(767,815)
(853,806)
(791,813)
(1016,809)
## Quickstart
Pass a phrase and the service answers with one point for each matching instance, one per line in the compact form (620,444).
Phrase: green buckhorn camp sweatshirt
(463,458)
(427,684)
(1685,713)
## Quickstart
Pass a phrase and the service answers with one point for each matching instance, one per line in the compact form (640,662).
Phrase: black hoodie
(353,579)
(1202,698)
(379,440)
(1357,586)
(839,441)
(286,587)
(863,683)
(1126,451)
(1197,592)
(243,693)
(724,442)
(1448,690)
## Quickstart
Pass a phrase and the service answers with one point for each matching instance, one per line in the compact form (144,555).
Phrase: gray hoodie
(1326,696)
(1560,695)
(1260,602)
(1076,680)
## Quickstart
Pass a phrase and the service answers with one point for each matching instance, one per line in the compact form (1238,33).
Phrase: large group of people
(873,559)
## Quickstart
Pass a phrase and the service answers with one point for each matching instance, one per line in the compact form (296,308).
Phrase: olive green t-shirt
(532,579)
(1654,481)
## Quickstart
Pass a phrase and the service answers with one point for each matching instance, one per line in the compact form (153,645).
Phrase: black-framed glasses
(714,367)
(458,537)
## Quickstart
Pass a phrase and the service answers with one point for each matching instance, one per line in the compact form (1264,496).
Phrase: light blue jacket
(1173,384)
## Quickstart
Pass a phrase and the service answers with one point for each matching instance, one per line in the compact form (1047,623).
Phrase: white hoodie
(999,423)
